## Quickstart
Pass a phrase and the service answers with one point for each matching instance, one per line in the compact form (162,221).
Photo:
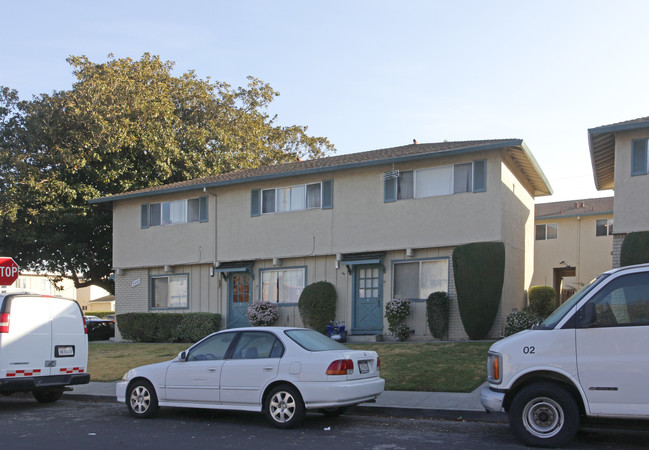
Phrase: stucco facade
(367,245)
(620,158)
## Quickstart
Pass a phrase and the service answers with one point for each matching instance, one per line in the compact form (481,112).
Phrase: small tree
(317,305)
(437,311)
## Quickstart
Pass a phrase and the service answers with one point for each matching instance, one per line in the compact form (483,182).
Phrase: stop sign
(9,271)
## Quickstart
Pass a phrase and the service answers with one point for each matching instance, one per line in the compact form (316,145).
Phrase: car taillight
(85,325)
(4,323)
(341,367)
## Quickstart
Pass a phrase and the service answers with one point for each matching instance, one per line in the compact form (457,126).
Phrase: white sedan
(280,371)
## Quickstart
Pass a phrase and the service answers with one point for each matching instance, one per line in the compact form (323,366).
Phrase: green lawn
(408,366)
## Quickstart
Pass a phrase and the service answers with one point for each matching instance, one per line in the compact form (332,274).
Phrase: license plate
(64,350)
(364,366)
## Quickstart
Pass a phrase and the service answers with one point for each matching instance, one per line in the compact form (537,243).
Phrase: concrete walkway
(448,405)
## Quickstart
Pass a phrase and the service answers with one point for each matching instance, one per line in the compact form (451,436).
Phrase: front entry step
(365,338)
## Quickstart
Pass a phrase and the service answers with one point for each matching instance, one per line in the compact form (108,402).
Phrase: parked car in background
(110,317)
(92,318)
(281,371)
(588,358)
(100,330)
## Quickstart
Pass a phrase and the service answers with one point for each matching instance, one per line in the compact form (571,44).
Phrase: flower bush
(396,311)
(520,320)
(402,332)
(262,314)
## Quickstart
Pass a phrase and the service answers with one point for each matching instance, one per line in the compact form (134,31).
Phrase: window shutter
(389,190)
(479,176)
(255,203)
(144,214)
(202,209)
(639,157)
(327,194)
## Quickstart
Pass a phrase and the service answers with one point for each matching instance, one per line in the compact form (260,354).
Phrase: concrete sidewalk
(448,405)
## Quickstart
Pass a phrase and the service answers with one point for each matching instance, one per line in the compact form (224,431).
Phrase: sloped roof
(515,148)
(572,208)
(601,141)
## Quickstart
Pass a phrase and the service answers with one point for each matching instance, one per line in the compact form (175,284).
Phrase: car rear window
(313,341)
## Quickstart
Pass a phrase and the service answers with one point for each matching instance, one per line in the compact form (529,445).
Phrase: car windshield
(313,341)
(553,319)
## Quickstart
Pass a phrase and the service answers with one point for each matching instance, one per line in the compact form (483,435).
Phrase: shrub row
(167,327)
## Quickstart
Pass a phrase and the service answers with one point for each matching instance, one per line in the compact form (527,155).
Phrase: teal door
(238,299)
(367,314)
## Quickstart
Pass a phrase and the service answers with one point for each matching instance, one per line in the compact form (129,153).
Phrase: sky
(375,74)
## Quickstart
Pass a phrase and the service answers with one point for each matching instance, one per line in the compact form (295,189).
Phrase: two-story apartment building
(377,225)
(573,243)
(620,159)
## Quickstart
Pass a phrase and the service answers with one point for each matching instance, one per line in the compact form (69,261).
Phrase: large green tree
(125,125)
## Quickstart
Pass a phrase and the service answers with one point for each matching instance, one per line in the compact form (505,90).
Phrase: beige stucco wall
(631,205)
(577,245)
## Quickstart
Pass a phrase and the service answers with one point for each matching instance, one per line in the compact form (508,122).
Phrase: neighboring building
(87,297)
(573,243)
(619,154)
(377,225)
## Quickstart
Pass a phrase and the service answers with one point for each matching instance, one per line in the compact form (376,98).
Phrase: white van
(43,345)
(589,358)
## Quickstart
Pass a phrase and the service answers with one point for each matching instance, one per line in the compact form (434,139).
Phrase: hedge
(479,270)
(635,249)
(317,305)
(167,327)
(437,312)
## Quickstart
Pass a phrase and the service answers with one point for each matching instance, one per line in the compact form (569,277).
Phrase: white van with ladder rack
(43,345)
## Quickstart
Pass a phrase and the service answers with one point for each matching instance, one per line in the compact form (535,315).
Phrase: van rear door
(26,345)
(69,348)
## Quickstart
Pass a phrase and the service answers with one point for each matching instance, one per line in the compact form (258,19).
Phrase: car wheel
(333,412)
(141,400)
(544,415)
(284,407)
(48,396)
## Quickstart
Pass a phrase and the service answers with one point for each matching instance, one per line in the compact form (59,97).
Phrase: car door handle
(211,369)
(268,368)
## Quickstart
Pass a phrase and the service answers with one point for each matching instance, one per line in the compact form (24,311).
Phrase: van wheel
(141,400)
(283,407)
(544,415)
(48,396)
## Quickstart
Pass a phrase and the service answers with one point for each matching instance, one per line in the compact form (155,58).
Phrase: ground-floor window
(169,291)
(282,286)
(419,279)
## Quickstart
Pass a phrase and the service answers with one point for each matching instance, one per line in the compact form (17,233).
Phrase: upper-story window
(546,231)
(435,181)
(604,227)
(177,211)
(639,157)
(292,198)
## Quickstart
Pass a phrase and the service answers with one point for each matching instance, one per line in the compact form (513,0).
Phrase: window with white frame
(419,279)
(169,291)
(292,198)
(546,231)
(173,212)
(604,227)
(436,181)
(283,285)
(639,157)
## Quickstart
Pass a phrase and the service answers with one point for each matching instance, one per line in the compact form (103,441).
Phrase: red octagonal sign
(9,271)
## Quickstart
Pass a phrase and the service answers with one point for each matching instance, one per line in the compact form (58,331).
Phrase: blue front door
(238,299)
(367,313)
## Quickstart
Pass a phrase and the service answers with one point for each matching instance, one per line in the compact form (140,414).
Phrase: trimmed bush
(100,314)
(195,326)
(635,249)
(167,327)
(317,305)
(397,311)
(479,270)
(437,312)
(543,300)
(520,320)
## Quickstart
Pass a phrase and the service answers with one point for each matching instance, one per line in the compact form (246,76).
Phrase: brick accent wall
(131,294)
(617,249)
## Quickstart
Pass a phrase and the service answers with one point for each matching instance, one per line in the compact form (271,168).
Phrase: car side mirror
(182,356)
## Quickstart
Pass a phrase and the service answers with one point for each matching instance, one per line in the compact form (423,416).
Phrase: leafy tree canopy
(124,125)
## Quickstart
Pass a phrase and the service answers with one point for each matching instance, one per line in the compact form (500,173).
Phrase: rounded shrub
(262,314)
(543,300)
(317,305)
(520,320)
(437,312)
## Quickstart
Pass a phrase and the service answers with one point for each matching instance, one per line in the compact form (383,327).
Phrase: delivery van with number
(588,359)
(43,345)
